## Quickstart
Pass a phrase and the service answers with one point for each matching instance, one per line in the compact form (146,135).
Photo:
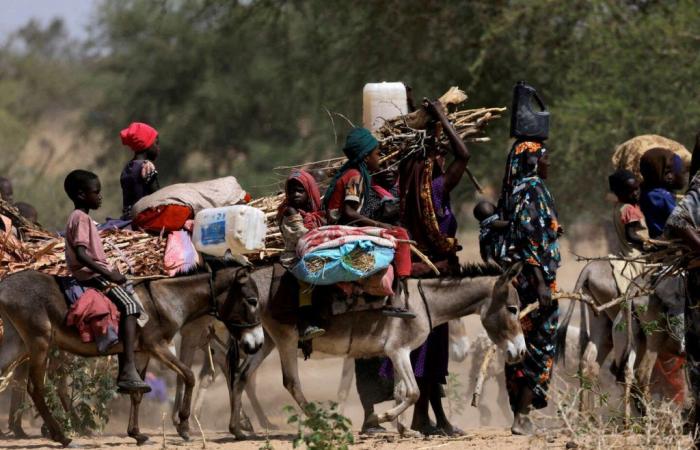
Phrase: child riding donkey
(87,262)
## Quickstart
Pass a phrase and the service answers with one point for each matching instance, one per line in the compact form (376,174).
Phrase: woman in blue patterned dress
(531,240)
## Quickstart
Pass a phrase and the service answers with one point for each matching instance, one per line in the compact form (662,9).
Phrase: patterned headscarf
(518,167)
(359,143)
(313,217)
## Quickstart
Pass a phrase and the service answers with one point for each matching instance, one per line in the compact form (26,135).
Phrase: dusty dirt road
(480,439)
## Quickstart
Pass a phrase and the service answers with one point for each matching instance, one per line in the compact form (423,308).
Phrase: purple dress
(135,186)
(431,359)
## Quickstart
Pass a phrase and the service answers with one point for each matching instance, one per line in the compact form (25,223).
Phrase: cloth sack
(197,196)
(337,266)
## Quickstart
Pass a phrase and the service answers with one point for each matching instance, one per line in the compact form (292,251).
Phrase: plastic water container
(240,229)
(381,102)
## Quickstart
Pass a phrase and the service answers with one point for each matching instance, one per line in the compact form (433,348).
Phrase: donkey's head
(240,311)
(499,316)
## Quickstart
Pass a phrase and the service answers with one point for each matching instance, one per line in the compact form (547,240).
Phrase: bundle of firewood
(398,138)
(132,252)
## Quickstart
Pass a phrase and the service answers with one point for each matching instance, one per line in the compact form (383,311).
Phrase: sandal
(132,386)
(403,313)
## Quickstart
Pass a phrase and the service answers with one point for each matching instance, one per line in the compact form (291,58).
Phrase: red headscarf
(313,217)
(138,136)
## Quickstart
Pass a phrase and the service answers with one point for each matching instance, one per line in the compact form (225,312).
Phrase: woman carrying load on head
(426,184)
(531,240)
(139,177)
(346,195)
(299,213)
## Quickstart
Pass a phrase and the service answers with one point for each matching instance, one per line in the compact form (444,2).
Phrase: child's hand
(116,277)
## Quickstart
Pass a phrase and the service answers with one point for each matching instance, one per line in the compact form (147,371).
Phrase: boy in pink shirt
(87,262)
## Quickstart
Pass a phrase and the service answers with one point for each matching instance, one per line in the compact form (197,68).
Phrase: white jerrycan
(381,102)
(239,229)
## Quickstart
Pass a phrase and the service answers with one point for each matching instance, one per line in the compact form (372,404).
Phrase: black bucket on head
(526,122)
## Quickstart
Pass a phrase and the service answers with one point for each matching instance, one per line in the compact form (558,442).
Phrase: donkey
(460,346)
(599,335)
(369,333)
(33,309)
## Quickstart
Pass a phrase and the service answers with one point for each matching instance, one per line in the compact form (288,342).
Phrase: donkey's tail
(564,325)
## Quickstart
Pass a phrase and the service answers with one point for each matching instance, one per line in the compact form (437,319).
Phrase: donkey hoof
(237,434)
(139,437)
(19,433)
(183,429)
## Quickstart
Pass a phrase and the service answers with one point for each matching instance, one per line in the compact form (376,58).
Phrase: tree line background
(241,87)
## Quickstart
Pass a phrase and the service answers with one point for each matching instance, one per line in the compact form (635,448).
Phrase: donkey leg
(17,398)
(133,430)
(163,354)
(247,369)
(206,378)
(38,351)
(403,372)
(346,377)
(251,392)
(187,351)
(290,373)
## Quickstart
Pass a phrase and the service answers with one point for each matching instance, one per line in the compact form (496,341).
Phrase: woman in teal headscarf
(346,194)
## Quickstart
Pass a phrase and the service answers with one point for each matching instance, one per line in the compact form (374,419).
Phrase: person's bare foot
(522,425)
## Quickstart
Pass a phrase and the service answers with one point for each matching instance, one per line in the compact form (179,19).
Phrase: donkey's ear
(513,270)
(243,275)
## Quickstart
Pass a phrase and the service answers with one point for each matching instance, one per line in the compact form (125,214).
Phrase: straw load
(628,154)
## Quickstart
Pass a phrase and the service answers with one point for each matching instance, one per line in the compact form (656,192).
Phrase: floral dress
(531,239)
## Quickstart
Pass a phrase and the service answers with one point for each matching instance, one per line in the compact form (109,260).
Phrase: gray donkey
(369,333)
(600,334)
(33,309)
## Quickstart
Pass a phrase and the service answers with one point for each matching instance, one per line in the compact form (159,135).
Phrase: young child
(491,230)
(299,213)
(87,262)
(627,215)
(139,177)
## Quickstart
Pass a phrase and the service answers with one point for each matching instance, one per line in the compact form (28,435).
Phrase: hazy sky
(75,13)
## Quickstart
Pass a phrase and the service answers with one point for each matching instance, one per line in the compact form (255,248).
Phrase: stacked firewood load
(140,254)
(132,252)
(399,138)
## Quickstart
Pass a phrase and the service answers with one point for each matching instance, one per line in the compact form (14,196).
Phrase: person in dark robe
(139,177)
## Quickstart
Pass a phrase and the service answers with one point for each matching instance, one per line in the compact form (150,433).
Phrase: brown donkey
(33,309)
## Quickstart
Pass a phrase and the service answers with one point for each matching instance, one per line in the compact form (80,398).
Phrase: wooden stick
(199,425)
(475,182)
(476,397)
(425,259)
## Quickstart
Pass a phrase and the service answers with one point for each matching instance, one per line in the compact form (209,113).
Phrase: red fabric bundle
(92,315)
(165,217)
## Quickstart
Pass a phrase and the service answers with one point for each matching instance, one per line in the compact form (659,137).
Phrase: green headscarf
(359,143)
